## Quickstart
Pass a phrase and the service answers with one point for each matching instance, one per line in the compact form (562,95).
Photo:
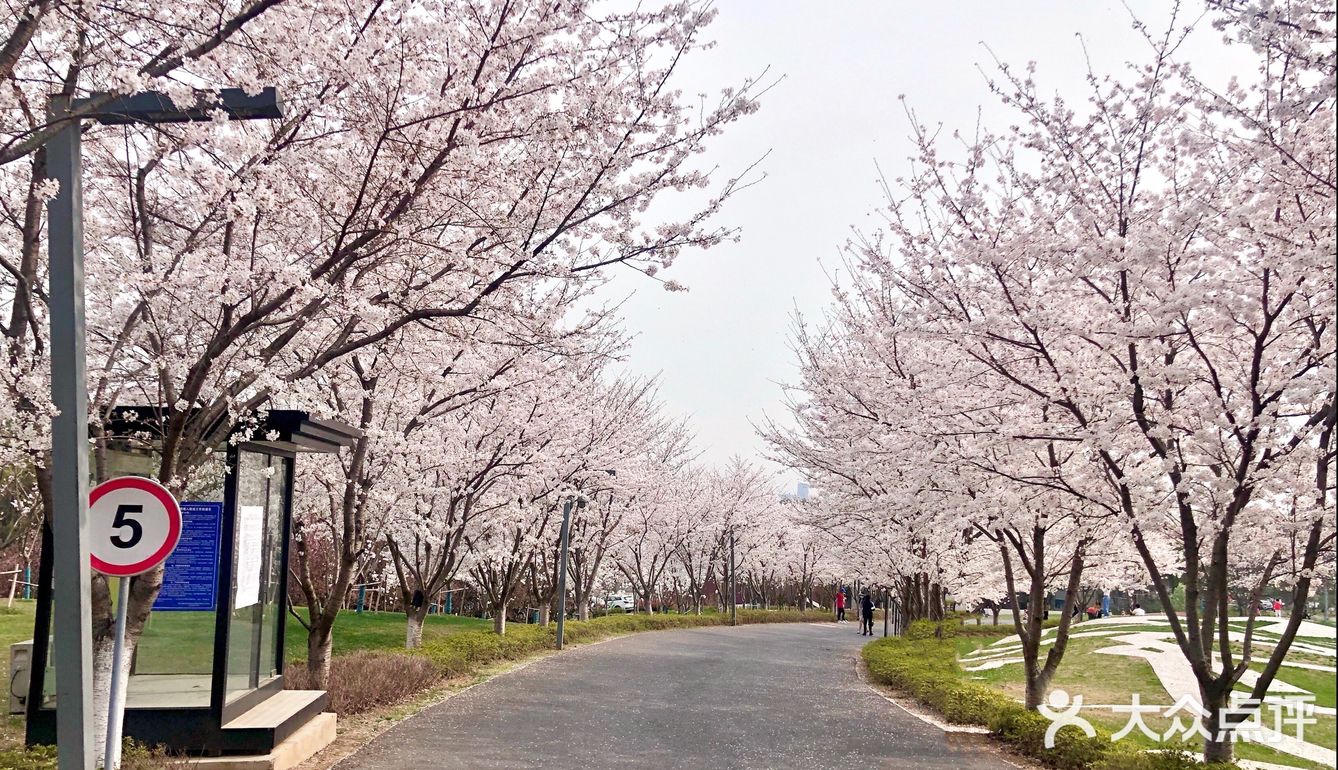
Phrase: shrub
(947,629)
(1025,731)
(469,651)
(364,680)
(990,631)
(35,758)
(137,756)
(1156,760)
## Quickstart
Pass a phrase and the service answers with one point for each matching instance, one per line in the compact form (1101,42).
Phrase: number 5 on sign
(133,525)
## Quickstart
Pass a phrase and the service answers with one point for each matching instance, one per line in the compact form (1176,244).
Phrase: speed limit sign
(133,524)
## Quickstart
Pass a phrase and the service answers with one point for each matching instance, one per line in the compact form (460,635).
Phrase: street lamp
(73,644)
(562,566)
(733,584)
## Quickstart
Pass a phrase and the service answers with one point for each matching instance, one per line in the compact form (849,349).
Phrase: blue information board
(191,578)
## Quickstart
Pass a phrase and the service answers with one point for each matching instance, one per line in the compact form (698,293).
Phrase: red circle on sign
(169,504)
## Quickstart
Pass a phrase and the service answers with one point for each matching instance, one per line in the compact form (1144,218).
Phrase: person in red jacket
(840,605)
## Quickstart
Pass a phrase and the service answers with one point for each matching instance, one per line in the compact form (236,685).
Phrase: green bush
(924,665)
(36,758)
(930,629)
(1156,760)
(1025,731)
(947,629)
(469,651)
(988,631)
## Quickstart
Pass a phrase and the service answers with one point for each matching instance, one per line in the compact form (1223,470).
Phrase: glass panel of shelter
(252,656)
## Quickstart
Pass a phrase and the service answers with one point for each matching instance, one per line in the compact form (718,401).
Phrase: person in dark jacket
(866,614)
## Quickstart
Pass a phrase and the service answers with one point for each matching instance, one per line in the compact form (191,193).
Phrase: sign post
(134,523)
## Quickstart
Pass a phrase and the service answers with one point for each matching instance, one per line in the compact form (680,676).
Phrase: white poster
(250,529)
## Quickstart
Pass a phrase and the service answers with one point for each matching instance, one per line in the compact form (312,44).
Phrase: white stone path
(1157,646)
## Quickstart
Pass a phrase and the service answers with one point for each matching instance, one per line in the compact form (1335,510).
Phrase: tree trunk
(102,666)
(545,614)
(1215,703)
(582,610)
(1038,685)
(413,632)
(499,619)
(320,643)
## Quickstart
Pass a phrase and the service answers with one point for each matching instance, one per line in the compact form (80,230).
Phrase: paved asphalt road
(770,696)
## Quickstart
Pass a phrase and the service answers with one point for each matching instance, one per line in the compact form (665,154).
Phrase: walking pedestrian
(840,605)
(866,615)
(1277,608)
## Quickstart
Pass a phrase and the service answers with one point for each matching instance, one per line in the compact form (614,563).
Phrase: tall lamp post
(73,643)
(562,569)
(562,563)
(733,584)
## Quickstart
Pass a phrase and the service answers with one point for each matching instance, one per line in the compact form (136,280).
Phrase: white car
(623,602)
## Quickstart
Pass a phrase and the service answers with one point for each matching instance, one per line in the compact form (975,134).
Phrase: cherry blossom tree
(622,421)
(409,183)
(716,502)
(1129,319)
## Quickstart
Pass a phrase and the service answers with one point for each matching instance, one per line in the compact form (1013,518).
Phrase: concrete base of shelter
(298,748)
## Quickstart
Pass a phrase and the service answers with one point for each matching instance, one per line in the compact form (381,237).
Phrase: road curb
(973,735)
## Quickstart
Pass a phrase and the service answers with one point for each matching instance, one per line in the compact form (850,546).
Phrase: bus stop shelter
(207,675)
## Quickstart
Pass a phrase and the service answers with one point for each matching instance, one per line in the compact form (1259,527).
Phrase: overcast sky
(721,348)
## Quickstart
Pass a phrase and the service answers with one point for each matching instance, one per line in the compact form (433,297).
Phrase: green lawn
(376,631)
(1321,683)
(1099,678)
(175,642)
(16,625)
(184,640)
(1112,679)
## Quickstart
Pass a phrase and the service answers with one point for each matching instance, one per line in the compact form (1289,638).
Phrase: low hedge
(924,665)
(467,652)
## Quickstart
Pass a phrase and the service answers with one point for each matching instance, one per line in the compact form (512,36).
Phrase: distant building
(802,493)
